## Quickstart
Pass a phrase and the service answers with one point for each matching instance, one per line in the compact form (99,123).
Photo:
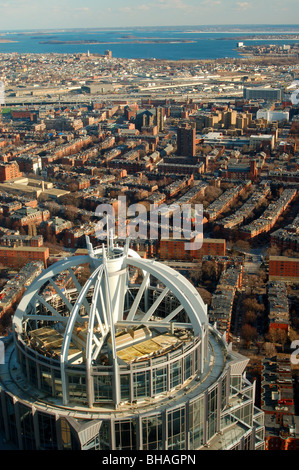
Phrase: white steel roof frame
(187,295)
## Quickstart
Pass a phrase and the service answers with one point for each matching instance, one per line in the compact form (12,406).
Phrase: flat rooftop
(49,342)
(151,347)
(40,249)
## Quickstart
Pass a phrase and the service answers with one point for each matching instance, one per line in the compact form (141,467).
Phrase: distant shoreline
(186,29)
(263,37)
(135,41)
(239,32)
(6,41)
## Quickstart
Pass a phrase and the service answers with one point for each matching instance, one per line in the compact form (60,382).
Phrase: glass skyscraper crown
(123,358)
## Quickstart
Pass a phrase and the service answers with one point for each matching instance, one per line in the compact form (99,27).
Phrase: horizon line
(238,25)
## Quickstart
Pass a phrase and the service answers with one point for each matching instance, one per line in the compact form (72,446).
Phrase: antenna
(127,246)
(89,246)
(108,248)
(111,240)
(104,254)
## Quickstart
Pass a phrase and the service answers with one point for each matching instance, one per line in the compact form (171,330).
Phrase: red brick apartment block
(9,171)
(17,257)
(281,267)
(175,249)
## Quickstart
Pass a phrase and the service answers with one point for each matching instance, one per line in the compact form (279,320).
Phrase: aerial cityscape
(149,228)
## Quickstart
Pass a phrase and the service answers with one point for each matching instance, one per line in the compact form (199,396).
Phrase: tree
(293,334)
(290,253)
(73,186)
(252,283)
(70,199)
(72,212)
(251,304)
(277,336)
(250,317)
(196,276)
(248,333)
(209,270)
(269,349)
(242,245)
(273,251)
(282,338)
(205,295)
(49,235)
(262,276)
(54,208)
(212,192)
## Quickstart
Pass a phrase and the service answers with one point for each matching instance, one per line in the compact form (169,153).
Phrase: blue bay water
(203,45)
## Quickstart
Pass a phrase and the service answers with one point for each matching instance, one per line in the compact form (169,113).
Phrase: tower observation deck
(126,359)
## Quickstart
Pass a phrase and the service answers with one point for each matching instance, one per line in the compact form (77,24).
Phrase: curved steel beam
(182,289)
(69,329)
(44,277)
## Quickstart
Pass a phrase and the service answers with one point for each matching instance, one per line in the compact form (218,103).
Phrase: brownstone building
(12,240)
(281,442)
(278,404)
(29,216)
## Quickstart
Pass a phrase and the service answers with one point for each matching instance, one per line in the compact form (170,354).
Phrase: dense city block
(82,130)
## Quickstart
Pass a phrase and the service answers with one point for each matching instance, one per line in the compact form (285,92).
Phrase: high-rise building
(186,140)
(229,118)
(160,118)
(122,360)
(145,119)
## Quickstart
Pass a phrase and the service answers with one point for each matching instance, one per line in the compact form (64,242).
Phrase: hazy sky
(43,14)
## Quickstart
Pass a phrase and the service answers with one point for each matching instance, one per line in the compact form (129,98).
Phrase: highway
(130,97)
